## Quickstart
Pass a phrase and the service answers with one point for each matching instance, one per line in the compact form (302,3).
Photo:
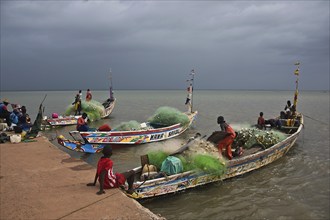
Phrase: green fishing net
(157,157)
(93,109)
(250,137)
(166,116)
(209,164)
(202,162)
(186,163)
(128,126)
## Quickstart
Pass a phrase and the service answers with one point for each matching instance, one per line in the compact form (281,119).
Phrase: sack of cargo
(148,172)
(172,165)
(15,138)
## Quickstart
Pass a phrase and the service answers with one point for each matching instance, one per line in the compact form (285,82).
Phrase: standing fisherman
(228,140)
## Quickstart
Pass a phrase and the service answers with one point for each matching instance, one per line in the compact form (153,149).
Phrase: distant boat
(109,104)
(65,120)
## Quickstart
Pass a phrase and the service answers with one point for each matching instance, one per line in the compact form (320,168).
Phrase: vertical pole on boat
(111,93)
(296,72)
(189,100)
(192,89)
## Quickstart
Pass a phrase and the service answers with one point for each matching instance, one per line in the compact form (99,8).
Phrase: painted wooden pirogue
(72,119)
(235,167)
(62,120)
(108,105)
(79,146)
(136,137)
(147,135)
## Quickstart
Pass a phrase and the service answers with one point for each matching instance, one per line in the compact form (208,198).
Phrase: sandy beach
(39,181)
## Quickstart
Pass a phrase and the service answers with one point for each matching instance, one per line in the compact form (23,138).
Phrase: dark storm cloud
(154,45)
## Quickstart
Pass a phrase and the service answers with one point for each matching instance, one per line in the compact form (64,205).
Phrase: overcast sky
(69,45)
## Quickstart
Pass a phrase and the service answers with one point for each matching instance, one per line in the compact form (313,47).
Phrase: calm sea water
(296,186)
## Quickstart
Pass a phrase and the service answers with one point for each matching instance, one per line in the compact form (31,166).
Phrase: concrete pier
(39,181)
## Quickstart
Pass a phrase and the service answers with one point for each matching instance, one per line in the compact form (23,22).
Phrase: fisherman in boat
(107,178)
(289,109)
(261,124)
(80,94)
(77,105)
(88,95)
(82,124)
(228,140)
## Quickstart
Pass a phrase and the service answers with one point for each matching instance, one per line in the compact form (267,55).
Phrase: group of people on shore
(17,117)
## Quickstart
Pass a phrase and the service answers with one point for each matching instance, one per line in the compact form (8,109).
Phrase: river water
(297,186)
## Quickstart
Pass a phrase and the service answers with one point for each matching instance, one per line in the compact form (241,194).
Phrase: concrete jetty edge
(39,181)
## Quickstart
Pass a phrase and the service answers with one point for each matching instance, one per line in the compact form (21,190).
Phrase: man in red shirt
(261,121)
(228,140)
(107,178)
(82,124)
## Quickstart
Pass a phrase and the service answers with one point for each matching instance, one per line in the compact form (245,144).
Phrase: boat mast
(111,93)
(190,90)
(296,72)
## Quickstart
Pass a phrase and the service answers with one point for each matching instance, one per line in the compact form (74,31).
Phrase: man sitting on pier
(107,178)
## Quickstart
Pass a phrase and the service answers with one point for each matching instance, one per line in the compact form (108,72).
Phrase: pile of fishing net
(250,137)
(94,109)
(128,126)
(198,162)
(167,116)
(164,116)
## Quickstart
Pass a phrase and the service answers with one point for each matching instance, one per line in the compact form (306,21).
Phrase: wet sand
(39,181)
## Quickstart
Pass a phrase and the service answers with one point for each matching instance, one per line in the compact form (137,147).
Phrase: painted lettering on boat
(156,136)
(174,132)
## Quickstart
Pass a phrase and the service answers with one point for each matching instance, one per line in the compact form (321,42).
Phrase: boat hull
(79,147)
(63,121)
(135,137)
(236,167)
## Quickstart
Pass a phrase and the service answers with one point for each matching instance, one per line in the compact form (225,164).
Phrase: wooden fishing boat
(109,104)
(250,160)
(79,146)
(147,133)
(62,120)
(65,120)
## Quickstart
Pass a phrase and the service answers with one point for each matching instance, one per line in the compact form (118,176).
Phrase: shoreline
(39,181)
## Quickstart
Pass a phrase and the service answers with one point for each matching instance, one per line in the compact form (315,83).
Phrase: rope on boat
(140,185)
(322,122)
